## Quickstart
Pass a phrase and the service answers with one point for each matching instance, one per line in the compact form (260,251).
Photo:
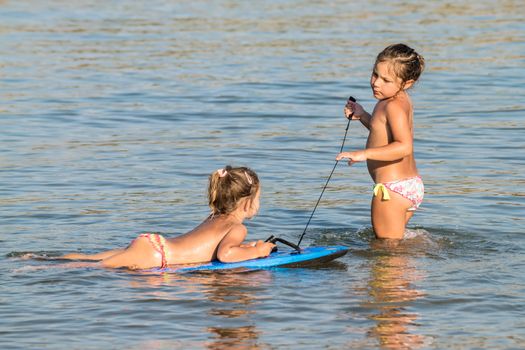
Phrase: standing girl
(389,153)
(233,196)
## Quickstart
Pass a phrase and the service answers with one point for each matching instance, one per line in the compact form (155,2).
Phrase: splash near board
(280,258)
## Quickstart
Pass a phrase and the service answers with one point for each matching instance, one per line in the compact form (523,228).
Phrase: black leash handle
(273,239)
(330,176)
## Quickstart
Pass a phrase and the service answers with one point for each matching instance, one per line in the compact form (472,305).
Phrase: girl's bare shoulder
(398,107)
(237,229)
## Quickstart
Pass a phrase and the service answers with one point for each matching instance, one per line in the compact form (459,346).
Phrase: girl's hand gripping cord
(353,110)
(353,157)
(264,248)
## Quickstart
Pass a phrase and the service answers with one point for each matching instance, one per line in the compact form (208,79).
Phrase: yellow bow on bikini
(383,189)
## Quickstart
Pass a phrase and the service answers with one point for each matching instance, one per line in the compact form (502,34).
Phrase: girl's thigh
(389,217)
(140,254)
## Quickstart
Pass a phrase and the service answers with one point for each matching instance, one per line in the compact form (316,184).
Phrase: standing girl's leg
(408,216)
(389,217)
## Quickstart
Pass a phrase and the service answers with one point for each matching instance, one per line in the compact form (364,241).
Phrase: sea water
(114,113)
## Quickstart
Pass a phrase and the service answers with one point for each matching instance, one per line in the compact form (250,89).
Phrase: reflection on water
(391,289)
(113,113)
(233,304)
(233,295)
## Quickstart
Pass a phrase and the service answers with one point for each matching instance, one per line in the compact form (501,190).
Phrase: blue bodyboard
(280,258)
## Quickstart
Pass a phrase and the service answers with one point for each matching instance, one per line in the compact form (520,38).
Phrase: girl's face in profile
(384,82)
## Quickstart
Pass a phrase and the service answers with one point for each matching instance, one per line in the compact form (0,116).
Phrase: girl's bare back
(201,243)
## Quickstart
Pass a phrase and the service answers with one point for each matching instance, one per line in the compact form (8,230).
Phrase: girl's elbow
(224,256)
(406,153)
(405,150)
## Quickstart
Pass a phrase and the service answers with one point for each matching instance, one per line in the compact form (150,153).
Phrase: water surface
(114,113)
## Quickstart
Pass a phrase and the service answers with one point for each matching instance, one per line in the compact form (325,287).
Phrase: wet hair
(406,62)
(228,186)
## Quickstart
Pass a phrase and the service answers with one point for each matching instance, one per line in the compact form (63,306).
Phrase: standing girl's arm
(400,146)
